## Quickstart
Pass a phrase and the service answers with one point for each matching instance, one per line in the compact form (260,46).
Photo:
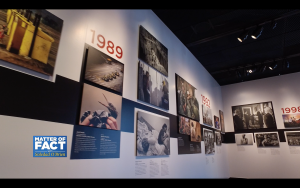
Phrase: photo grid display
(209,139)
(270,139)
(244,139)
(153,134)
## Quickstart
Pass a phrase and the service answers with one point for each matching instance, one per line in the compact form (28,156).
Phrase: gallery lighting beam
(273,66)
(243,36)
(257,32)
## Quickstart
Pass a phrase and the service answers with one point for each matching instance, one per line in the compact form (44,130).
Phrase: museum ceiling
(212,37)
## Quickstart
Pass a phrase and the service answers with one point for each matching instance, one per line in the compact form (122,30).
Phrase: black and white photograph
(222,121)
(187,103)
(218,138)
(292,138)
(291,120)
(254,116)
(104,70)
(153,52)
(244,139)
(209,141)
(207,115)
(153,134)
(195,131)
(184,125)
(269,139)
(153,87)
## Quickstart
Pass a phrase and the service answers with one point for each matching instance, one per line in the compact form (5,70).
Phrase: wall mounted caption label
(205,101)
(110,45)
(49,146)
(290,110)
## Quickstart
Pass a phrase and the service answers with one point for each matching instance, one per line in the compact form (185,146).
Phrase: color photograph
(195,131)
(30,38)
(269,139)
(104,70)
(153,134)
(217,122)
(254,116)
(153,52)
(292,138)
(187,103)
(100,108)
(209,141)
(207,115)
(222,121)
(291,120)
(184,125)
(244,139)
(218,138)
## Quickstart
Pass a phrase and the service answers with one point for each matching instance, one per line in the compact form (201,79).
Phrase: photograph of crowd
(184,125)
(293,138)
(207,115)
(217,122)
(254,116)
(153,87)
(153,52)
(195,131)
(209,139)
(291,120)
(104,70)
(267,139)
(153,134)
(222,121)
(30,38)
(100,108)
(244,139)
(218,138)
(187,103)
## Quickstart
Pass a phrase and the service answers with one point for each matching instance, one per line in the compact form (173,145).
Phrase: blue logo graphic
(49,146)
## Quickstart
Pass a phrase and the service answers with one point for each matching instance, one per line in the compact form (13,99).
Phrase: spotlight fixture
(273,65)
(243,36)
(252,70)
(257,32)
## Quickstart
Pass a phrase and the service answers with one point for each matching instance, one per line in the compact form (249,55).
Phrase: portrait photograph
(152,51)
(187,103)
(209,139)
(184,125)
(153,87)
(292,138)
(291,120)
(153,134)
(195,131)
(100,108)
(104,70)
(30,38)
(244,139)
(254,116)
(269,139)
(218,138)
(207,115)
(222,121)
(217,122)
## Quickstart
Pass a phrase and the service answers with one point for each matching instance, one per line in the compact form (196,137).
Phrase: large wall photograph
(153,134)
(104,70)
(254,116)
(187,103)
(30,38)
(100,108)
(153,52)
(184,125)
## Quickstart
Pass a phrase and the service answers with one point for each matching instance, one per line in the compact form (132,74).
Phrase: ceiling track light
(257,32)
(243,36)
(252,69)
(273,65)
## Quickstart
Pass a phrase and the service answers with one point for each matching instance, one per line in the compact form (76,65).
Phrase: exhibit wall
(37,105)
(250,161)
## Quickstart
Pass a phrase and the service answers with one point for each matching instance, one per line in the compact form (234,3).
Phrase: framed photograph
(153,134)
(30,38)
(104,70)
(292,138)
(207,115)
(222,121)
(254,116)
(268,139)
(217,122)
(244,139)
(100,108)
(153,87)
(184,125)
(209,139)
(195,131)
(291,120)
(153,52)
(187,103)
(218,138)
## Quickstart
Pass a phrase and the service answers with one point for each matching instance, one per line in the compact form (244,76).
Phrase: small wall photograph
(153,134)
(100,108)
(292,138)
(291,120)
(269,139)
(218,138)
(207,116)
(254,116)
(222,121)
(244,139)
(209,139)
(217,122)
(184,125)
(195,131)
